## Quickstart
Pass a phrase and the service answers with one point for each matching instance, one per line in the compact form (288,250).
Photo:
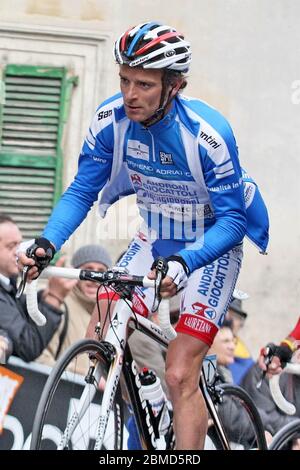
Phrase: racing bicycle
(106,389)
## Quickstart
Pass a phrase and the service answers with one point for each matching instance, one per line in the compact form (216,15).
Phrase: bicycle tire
(282,439)
(240,420)
(66,385)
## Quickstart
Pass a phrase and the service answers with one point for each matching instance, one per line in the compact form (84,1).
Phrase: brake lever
(157,296)
(267,361)
(23,281)
(161,267)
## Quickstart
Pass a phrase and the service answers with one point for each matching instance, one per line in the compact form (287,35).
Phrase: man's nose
(131,92)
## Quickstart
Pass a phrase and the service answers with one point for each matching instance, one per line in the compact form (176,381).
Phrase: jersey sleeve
(223,179)
(94,169)
(296,331)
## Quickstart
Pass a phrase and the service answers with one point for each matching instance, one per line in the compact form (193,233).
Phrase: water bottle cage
(155,420)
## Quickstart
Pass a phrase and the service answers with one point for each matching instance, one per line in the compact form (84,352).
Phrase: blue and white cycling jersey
(184,170)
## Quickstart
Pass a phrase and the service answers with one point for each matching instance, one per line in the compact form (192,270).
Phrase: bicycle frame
(117,357)
(122,319)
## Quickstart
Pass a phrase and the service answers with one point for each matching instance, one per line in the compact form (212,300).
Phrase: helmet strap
(165,100)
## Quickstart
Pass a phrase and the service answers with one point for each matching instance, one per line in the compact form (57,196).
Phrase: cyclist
(180,157)
(280,354)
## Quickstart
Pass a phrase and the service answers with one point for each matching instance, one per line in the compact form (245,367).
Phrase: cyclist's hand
(168,288)
(38,256)
(273,368)
(175,279)
(273,358)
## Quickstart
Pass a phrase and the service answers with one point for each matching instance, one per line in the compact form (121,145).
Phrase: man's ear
(176,87)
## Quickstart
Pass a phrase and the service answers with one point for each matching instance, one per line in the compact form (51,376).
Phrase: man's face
(89,288)
(141,90)
(223,346)
(237,320)
(10,238)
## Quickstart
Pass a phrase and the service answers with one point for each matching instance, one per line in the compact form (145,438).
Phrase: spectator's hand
(4,346)
(296,444)
(268,437)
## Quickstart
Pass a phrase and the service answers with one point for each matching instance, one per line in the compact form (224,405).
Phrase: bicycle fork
(109,393)
(86,398)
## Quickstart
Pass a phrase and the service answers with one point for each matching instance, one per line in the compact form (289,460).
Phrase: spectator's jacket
(27,338)
(272,417)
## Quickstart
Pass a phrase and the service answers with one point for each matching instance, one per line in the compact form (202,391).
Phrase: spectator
(232,414)
(24,338)
(78,299)
(242,357)
(223,346)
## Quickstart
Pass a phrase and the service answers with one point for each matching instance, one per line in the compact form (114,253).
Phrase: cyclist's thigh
(207,295)
(138,258)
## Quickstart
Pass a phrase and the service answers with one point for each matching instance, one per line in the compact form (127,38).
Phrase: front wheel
(240,420)
(69,409)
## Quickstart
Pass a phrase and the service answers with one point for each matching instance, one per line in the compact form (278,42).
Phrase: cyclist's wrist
(284,353)
(180,260)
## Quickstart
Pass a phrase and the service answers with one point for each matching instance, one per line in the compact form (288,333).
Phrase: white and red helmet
(155,46)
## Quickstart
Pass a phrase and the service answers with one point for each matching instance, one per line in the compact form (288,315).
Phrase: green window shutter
(33,112)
